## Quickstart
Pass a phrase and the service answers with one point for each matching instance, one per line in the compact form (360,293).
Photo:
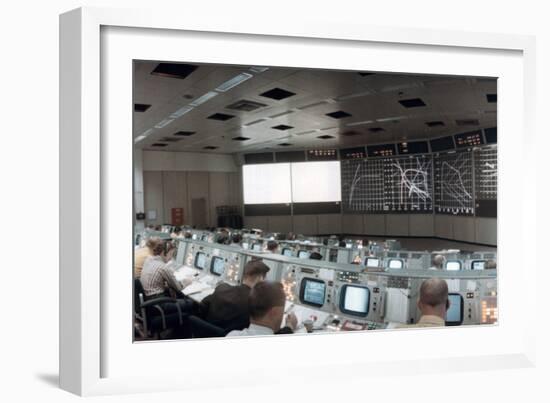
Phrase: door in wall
(198,212)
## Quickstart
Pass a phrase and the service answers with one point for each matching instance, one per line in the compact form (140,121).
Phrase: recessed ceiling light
(163,123)
(202,99)
(184,133)
(277,94)
(364,122)
(338,114)
(282,127)
(139,138)
(141,107)
(355,95)
(254,122)
(306,132)
(220,116)
(181,111)
(412,103)
(174,70)
(391,119)
(311,105)
(281,114)
(234,82)
(257,69)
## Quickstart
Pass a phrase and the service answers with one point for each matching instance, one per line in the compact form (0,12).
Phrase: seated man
(227,307)
(272,247)
(433,303)
(157,278)
(438,262)
(267,307)
(143,253)
(315,256)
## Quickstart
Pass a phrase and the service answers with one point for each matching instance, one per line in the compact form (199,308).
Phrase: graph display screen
(453,183)
(486,173)
(363,185)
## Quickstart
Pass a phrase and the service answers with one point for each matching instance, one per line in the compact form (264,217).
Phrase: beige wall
(165,190)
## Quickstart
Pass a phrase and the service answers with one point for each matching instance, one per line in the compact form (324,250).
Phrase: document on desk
(195,288)
(184,272)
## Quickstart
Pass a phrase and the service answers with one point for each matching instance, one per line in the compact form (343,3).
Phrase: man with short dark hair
(267,307)
(236,239)
(438,262)
(272,246)
(315,256)
(227,307)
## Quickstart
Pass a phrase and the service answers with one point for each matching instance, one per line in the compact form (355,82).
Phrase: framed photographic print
(326,196)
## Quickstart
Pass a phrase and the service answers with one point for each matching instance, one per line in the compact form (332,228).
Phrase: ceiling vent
(282,127)
(245,105)
(141,107)
(277,94)
(220,116)
(173,70)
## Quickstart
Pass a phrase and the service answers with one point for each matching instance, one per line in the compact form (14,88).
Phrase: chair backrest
(138,289)
(201,328)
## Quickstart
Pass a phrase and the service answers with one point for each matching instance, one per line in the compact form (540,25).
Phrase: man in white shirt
(438,262)
(433,303)
(267,307)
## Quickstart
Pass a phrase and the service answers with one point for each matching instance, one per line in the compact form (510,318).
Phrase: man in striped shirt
(157,278)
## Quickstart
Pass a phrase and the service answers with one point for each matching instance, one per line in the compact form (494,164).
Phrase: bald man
(433,302)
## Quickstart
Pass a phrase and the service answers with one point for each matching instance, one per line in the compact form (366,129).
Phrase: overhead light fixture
(364,122)
(201,100)
(390,119)
(234,82)
(139,138)
(256,69)
(163,123)
(352,96)
(181,111)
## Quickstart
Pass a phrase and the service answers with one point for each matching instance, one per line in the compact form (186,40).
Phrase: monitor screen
(452,265)
(312,292)
(204,238)
(217,266)
(303,254)
(244,245)
(194,236)
(200,260)
(257,247)
(395,264)
(478,265)
(372,262)
(286,252)
(354,300)
(455,313)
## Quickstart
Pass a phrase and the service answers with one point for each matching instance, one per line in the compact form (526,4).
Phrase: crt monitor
(194,236)
(395,264)
(354,300)
(286,252)
(244,245)
(312,292)
(217,266)
(200,260)
(303,254)
(453,265)
(478,265)
(455,313)
(257,247)
(372,262)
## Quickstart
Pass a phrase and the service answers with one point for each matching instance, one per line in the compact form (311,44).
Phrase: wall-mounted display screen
(307,186)
(200,260)
(266,183)
(354,300)
(312,292)
(217,266)
(455,313)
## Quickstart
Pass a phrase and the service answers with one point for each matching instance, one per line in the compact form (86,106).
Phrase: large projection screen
(316,182)
(266,183)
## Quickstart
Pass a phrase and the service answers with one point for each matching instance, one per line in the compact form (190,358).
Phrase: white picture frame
(89,353)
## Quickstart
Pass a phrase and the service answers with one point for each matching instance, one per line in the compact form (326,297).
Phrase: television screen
(200,260)
(303,254)
(244,245)
(478,265)
(287,252)
(258,190)
(455,312)
(395,264)
(452,265)
(217,266)
(194,236)
(372,262)
(257,247)
(312,292)
(354,300)
(306,186)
